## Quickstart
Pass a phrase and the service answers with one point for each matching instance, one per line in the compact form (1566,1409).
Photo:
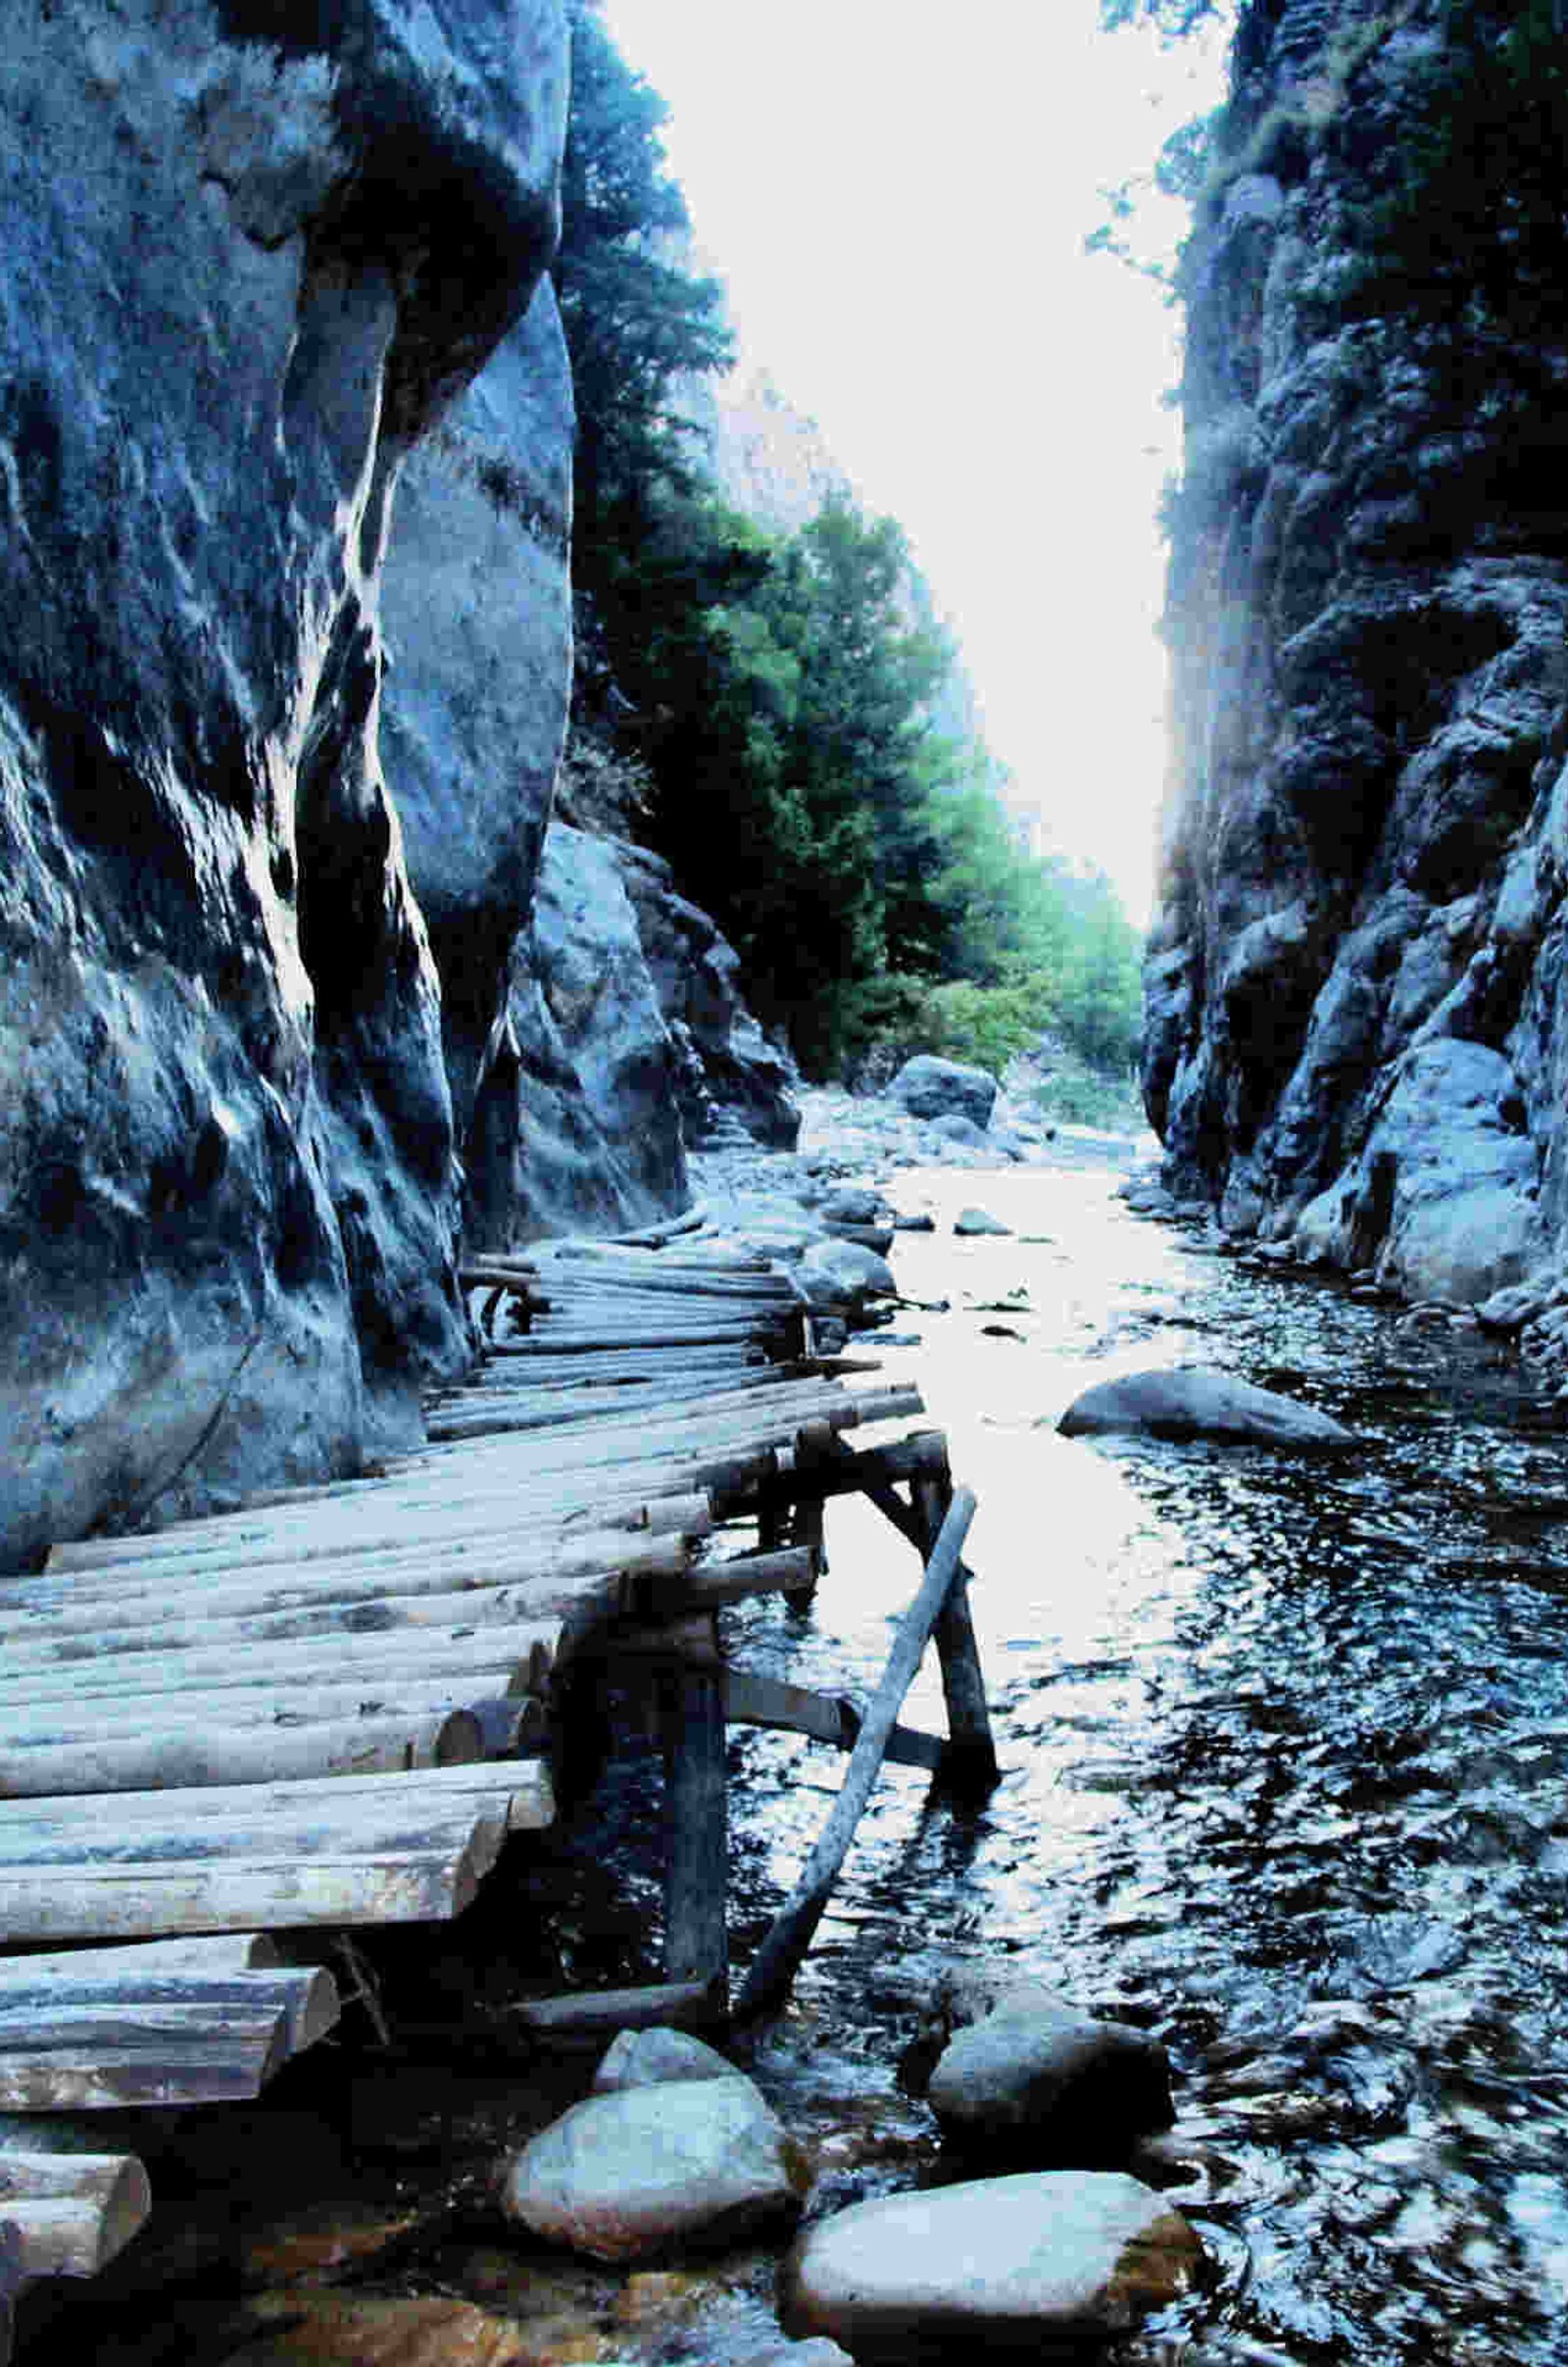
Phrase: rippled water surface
(1283,1744)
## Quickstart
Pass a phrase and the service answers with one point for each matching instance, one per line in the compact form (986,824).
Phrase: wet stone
(1050,2085)
(1197,1401)
(357,2329)
(1001,2265)
(630,2175)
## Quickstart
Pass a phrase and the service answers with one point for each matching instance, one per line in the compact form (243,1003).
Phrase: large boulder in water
(927,1087)
(1014,2267)
(1194,1400)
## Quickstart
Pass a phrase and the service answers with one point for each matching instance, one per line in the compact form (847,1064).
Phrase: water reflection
(1285,1749)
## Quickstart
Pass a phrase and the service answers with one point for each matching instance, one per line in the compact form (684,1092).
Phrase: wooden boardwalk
(331,1708)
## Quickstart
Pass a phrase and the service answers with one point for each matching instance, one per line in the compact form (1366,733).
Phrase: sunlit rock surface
(1355,982)
(248,255)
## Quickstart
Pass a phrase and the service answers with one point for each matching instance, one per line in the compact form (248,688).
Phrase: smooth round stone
(1195,1401)
(929,1087)
(999,2267)
(836,1273)
(630,2174)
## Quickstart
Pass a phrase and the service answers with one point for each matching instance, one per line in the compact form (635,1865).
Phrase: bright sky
(898,197)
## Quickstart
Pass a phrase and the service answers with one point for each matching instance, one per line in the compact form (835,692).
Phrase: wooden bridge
(331,1708)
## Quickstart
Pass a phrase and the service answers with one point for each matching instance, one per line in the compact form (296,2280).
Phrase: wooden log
(74,2212)
(188,1757)
(305,1996)
(52,1902)
(520,1796)
(696,1823)
(373,1659)
(734,1581)
(406,1558)
(780,1957)
(972,1758)
(599,2014)
(220,1954)
(26,1726)
(758,1700)
(155,2055)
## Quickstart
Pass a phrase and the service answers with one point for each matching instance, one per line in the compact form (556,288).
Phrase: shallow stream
(1284,1743)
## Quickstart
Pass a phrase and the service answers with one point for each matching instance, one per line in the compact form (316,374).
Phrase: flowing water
(1283,1744)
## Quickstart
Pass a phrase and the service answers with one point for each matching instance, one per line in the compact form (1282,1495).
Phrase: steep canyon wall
(299,985)
(1357,1033)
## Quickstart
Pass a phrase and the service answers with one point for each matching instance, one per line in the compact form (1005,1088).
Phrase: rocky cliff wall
(250,254)
(1358,1037)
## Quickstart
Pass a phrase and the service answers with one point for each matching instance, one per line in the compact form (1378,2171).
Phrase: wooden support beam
(781,1954)
(696,1832)
(74,2211)
(719,1582)
(972,1758)
(758,1701)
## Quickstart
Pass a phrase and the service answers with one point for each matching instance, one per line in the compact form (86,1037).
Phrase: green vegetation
(771,695)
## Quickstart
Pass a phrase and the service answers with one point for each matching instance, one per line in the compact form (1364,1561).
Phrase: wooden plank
(779,1959)
(53,1903)
(376,1659)
(190,1757)
(306,1997)
(100,2069)
(289,1568)
(520,1795)
(336,1702)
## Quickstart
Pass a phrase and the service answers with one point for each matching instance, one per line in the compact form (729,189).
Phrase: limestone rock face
(1357,1032)
(248,255)
(1000,2267)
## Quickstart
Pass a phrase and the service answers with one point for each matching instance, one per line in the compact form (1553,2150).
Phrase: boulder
(840,1273)
(971,1222)
(1052,2086)
(929,1088)
(650,2058)
(853,1204)
(1000,2267)
(1194,1400)
(631,2174)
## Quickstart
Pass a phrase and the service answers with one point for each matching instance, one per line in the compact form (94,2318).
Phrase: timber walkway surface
(331,1708)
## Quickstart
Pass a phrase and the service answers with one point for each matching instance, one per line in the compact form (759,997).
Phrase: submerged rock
(1001,2266)
(1052,2085)
(627,2175)
(1194,1400)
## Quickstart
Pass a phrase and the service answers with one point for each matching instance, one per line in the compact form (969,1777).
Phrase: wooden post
(970,1765)
(696,1861)
(780,1955)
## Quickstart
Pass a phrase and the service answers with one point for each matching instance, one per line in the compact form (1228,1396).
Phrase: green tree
(635,321)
